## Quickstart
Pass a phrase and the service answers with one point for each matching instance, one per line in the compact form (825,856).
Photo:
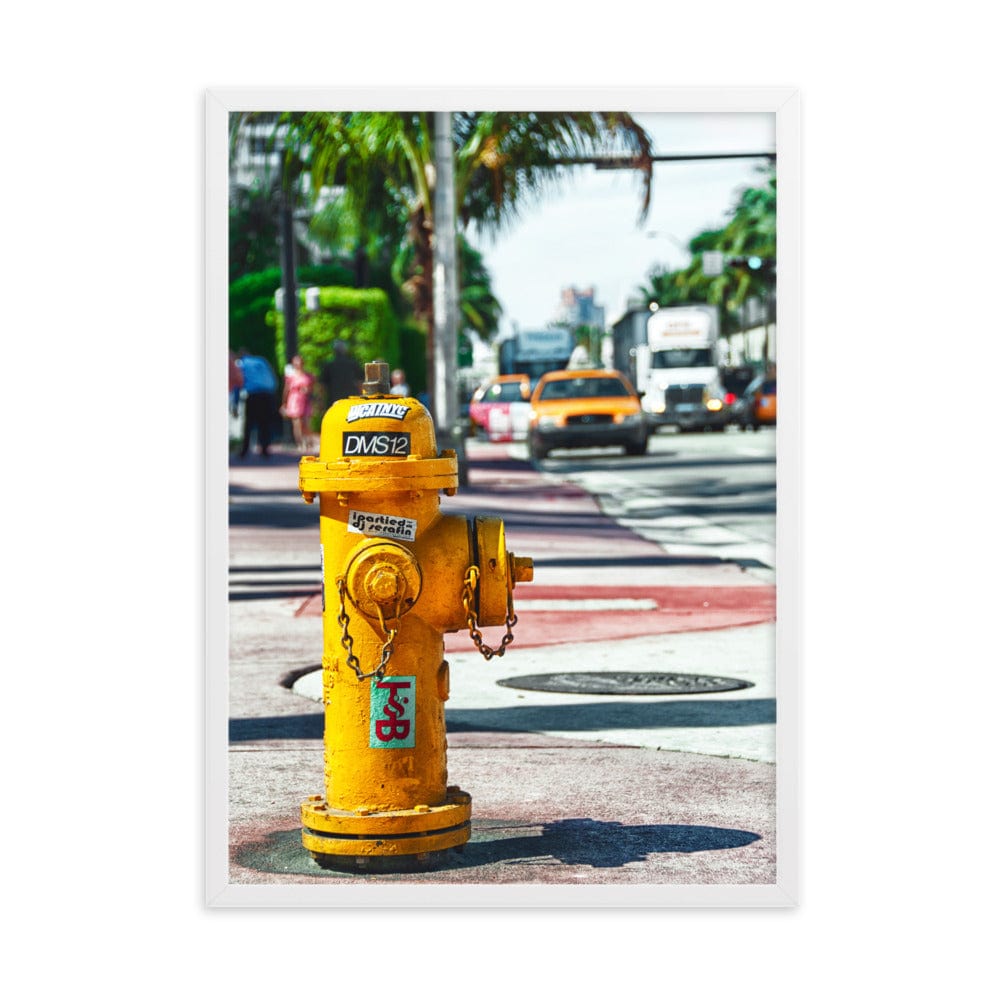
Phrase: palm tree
(253,230)
(666,288)
(367,236)
(384,163)
(480,310)
(503,162)
(751,232)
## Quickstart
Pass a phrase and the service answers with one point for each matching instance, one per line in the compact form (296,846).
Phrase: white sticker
(361,522)
(375,443)
(366,411)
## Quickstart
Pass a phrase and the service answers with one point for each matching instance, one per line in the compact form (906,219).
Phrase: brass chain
(468,601)
(348,642)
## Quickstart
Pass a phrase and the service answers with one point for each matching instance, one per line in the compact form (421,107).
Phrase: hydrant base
(338,838)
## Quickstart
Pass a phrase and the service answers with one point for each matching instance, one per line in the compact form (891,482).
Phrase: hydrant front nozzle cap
(524,569)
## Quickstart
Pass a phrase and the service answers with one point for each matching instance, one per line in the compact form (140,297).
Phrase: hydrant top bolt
(376,379)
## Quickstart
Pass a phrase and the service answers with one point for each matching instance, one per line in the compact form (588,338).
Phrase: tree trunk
(421,287)
(361,269)
(445,289)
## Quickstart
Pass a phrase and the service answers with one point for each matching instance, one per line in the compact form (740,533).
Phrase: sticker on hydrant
(375,443)
(361,522)
(393,704)
(366,411)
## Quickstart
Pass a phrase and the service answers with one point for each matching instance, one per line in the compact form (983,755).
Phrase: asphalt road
(695,494)
(574,767)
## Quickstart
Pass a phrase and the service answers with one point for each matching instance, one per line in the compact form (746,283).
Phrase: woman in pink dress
(296,404)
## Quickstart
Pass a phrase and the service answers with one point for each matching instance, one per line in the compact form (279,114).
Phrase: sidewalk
(566,788)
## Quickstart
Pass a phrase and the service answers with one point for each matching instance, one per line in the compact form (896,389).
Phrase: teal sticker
(393,713)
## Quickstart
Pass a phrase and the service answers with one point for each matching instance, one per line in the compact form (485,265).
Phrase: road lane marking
(587,604)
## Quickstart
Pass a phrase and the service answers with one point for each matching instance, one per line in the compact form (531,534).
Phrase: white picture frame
(784,103)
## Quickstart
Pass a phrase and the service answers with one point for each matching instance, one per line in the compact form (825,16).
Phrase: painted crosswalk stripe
(587,604)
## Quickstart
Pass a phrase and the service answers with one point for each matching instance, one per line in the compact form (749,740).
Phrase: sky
(588,234)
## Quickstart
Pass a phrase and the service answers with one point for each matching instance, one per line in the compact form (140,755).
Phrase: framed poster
(627,733)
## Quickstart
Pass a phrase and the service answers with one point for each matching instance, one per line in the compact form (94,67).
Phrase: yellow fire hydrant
(397,575)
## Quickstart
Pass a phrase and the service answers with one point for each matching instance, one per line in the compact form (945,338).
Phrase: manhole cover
(601,682)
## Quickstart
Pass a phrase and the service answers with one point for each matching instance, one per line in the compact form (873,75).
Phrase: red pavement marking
(678,609)
(502,485)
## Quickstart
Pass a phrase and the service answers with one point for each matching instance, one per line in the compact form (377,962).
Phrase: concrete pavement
(567,789)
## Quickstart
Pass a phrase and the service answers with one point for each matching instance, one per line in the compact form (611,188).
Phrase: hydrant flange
(420,830)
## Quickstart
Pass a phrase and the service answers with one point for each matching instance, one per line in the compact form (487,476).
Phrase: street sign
(712,263)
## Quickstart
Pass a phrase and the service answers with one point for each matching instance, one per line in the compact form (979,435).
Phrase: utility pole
(290,303)
(444,396)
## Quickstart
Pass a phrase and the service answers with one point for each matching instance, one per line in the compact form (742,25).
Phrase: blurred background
(552,232)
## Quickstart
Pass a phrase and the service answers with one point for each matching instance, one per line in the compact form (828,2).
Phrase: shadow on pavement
(314,568)
(615,715)
(571,842)
(600,843)
(565,465)
(275,594)
(268,509)
(544,718)
(276,458)
(276,585)
(701,509)
(277,727)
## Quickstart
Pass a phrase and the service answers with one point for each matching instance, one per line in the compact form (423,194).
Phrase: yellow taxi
(759,405)
(588,408)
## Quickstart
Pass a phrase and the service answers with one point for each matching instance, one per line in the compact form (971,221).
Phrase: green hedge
(362,317)
(365,318)
(413,355)
(251,300)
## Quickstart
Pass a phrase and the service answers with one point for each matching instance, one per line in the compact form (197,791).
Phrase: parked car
(734,382)
(499,409)
(586,409)
(758,406)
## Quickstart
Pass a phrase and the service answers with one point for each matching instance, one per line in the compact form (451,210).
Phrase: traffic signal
(756,265)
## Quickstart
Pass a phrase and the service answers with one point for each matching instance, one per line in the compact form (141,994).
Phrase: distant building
(255,164)
(257,152)
(579,308)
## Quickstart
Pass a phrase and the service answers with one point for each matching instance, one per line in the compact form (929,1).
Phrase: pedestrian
(260,386)
(235,377)
(235,387)
(399,386)
(296,402)
(341,376)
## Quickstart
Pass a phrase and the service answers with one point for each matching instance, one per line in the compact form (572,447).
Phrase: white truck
(673,360)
